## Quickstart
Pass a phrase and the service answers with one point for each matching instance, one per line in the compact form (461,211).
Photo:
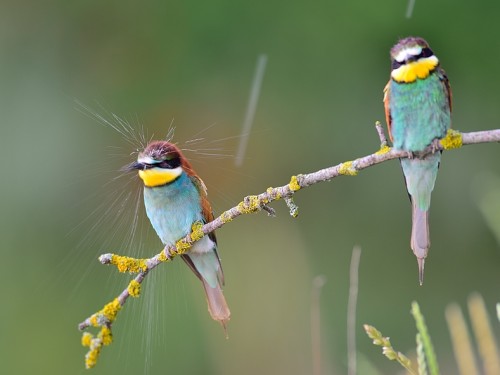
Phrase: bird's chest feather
(172,209)
(419,112)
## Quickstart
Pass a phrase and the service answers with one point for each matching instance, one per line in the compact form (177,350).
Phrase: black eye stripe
(395,64)
(169,164)
(426,52)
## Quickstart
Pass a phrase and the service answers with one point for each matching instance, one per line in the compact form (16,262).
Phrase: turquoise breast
(173,208)
(419,111)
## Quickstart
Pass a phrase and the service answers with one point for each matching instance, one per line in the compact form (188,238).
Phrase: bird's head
(160,163)
(412,59)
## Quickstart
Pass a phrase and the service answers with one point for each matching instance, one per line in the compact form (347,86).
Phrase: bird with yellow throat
(175,198)
(417,102)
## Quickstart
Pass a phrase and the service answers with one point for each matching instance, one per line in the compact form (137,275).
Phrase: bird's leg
(410,154)
(435,145)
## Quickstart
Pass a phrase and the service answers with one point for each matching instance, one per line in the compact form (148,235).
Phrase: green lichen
(294,209)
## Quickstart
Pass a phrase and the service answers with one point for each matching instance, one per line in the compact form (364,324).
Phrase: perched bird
(175,198)
(417,101)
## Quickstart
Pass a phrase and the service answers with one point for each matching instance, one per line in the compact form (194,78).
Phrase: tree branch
(253,203)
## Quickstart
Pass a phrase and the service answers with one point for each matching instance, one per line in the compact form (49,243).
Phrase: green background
(192,63)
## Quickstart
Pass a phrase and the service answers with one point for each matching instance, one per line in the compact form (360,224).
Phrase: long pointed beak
(132,166)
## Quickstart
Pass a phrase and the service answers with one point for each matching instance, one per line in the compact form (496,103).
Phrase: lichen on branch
(104,318)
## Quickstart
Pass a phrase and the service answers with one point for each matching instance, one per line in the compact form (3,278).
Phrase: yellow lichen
(225,217)
(196,232)
(181,247)
(93,354)
(93,320)
(134,288)
(294,184)
(110,310)
(452,140)
(250,204)
(87,339)
(274,194)
(347,169)
(128,264)
(162,257)
(106,336)
(383,150)
(103,318)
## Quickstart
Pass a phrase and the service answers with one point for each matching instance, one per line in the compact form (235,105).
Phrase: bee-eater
(417,101)
(175,198)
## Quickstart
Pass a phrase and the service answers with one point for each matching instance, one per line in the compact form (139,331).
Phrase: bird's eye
(169,163)
(426,52)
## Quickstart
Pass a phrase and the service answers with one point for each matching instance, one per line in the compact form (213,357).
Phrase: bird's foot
(167,252)
(435,145)
(410,155)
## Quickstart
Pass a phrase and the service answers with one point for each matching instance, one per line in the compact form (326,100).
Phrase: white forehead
(405,53)
(146,160)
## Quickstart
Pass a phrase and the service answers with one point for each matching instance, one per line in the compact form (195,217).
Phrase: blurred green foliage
(191,62)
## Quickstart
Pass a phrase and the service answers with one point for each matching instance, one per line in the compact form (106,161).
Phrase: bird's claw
(435,145)
(167,252)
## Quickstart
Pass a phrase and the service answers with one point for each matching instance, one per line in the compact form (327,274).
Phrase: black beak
(132,166)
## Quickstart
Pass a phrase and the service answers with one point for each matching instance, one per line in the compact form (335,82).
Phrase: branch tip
(105,258)
(294,209)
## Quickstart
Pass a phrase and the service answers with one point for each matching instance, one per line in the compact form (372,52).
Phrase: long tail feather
(217,306)
(420,239)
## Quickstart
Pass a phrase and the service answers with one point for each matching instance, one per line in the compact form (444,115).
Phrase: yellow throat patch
(159,176)
(421,69)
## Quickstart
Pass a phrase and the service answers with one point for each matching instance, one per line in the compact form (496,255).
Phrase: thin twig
(254,203)
(381,134)
(250,204)
(351,310)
